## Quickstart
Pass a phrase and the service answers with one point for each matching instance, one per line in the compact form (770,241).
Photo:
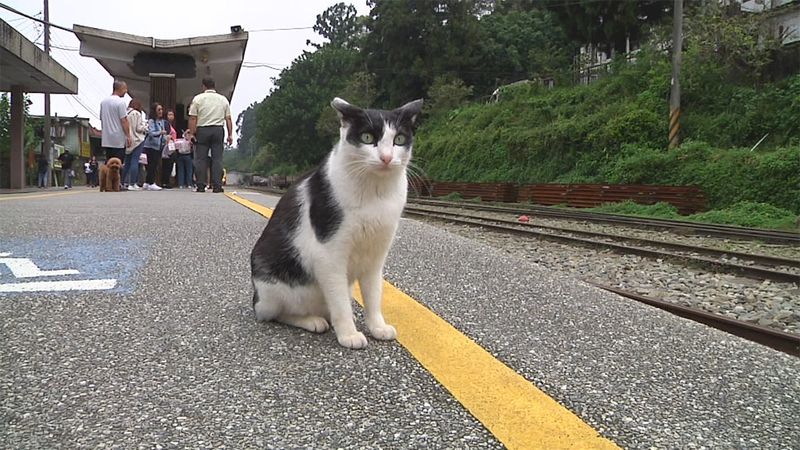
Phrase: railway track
(682,253)
(751,265)
(779,340)
(760,267)
(682,227)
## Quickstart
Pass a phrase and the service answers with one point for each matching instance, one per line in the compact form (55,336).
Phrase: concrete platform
(170,355)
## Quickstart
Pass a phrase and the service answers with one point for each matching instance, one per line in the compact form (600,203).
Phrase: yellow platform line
(25,197)
(263,210)
(516,412)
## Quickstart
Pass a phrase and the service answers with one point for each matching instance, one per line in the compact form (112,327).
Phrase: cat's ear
(411,110)
(346,111)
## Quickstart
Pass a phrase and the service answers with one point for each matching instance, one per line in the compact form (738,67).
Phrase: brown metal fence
(488,192)
(687,199)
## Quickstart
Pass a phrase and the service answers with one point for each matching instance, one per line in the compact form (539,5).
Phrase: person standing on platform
(67,159)
(130,173)
(88,172)
(154,142)
(43,165)
(184,165)
(116,133)
(169,156)
(207,114)
(95,171)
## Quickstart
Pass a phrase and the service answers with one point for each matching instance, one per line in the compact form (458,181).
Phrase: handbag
(169,149)
(184,146)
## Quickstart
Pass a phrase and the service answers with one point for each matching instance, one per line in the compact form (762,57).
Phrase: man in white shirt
(207,113)
(114,122)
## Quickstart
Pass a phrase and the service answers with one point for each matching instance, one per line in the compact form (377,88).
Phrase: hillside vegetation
(740,88)
(615,131)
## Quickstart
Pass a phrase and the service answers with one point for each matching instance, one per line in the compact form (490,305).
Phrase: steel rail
(776,339)
(695,227)
(758,258)
(758,273)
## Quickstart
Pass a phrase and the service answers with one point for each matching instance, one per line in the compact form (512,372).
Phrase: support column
(17,160)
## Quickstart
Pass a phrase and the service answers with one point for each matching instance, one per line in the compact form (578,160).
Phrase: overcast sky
(170,20)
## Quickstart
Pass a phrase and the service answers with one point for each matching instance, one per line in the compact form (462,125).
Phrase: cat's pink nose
(386,158)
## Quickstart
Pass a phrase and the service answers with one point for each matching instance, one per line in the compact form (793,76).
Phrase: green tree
(735,43)
(246,129)
(30,140)
(340,25)
(287,118)
(609,23)
(5,124)
(523,44)
(446,94)
(410,43)
(359,90)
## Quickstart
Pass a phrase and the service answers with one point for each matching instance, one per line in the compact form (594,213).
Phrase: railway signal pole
(675,91)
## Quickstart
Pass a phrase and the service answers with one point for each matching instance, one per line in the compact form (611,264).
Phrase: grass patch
(744,214)
(752,215)
(451,197)
(630,208)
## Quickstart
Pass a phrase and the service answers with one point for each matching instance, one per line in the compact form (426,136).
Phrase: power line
(80,102)
(79,64)
(66,49)
(254,65)
(279,29)
(8,8)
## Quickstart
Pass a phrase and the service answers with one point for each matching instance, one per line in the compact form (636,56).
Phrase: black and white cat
(335,226)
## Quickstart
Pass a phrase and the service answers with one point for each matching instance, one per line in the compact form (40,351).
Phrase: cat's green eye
(400,139)
(367,138)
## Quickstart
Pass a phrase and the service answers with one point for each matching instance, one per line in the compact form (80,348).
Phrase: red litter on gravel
(524,219)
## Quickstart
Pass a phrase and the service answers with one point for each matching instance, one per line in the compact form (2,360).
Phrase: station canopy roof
(24,64)
(133,59)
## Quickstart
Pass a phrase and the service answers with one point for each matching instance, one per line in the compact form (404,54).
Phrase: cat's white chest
(370,234)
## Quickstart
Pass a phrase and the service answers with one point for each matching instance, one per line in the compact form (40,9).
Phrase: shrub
(631,208)
(750,214)
(615,131)
(452,197)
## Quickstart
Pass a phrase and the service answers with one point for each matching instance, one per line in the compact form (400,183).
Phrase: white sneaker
(155,187)
(134,187)
(145,187)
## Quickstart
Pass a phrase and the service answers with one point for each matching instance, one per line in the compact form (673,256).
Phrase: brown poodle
(109,175)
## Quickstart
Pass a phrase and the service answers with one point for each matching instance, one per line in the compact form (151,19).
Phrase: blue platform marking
(94,259)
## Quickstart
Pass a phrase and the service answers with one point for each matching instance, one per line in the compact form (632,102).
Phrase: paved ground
(172,357)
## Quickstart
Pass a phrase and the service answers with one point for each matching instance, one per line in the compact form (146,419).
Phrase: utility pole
(675,92)
(46,127)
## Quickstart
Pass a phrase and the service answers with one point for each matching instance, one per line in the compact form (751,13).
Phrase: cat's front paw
(317,324)
(356,340)
(383,332)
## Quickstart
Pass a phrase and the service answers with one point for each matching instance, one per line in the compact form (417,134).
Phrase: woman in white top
(138,127)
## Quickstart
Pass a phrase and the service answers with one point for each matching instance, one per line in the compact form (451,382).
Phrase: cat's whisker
(417,178)
(355,169)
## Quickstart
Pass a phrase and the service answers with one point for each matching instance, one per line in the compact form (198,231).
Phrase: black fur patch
(372,121)
(325,213)
(274,257)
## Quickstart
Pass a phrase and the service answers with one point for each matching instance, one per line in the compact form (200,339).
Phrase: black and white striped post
(675,91)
